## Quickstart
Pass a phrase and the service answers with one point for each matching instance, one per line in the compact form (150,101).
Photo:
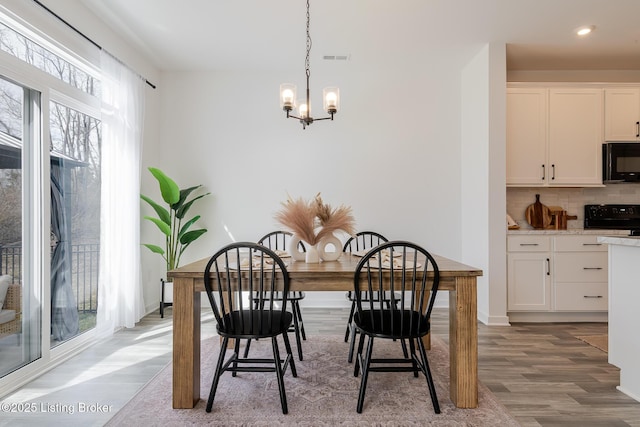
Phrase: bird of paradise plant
(177,236)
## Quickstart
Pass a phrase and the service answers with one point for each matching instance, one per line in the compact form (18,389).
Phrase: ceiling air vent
(336,57)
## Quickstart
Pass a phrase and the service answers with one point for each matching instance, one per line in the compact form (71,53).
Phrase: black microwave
(621,162)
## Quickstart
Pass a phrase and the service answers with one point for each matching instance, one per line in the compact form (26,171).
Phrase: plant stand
(164,297)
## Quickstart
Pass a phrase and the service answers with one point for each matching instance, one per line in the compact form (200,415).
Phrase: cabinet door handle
(592,268)
(528,244)
(544,173)
(592,244)
(548,267)
(592,296)
(637,129)
(553,172)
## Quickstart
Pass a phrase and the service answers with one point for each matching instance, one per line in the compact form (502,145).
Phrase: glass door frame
(36,225)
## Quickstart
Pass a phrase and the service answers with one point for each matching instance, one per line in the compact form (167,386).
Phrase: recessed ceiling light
(583,31)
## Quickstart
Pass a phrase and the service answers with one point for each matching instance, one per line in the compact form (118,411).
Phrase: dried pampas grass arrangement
(313,220)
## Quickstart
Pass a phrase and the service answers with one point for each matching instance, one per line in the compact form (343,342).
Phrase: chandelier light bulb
(287,96)
(303,111)
(331,96)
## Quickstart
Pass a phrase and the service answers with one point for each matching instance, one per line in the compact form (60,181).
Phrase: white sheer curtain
(120,302)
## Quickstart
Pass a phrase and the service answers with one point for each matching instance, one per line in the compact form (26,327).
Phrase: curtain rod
(82,34)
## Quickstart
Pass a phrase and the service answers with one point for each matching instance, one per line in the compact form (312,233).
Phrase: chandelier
(330,95)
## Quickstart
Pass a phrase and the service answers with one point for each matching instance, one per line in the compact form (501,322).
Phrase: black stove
(613,217)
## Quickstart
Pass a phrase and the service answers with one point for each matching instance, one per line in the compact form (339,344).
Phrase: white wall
(483,195)
(392,153)
(497,268)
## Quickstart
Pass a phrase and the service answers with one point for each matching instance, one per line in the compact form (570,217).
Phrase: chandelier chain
(307,61)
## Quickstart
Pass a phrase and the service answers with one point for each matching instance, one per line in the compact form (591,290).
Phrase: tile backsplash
(570,199)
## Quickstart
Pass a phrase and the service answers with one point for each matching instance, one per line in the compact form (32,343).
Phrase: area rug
(325,393)
(601,342)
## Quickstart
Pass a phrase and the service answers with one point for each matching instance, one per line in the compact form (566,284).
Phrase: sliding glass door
(75,221)
(60,298)
(21,315)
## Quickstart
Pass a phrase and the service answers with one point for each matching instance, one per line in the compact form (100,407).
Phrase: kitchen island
(624,313)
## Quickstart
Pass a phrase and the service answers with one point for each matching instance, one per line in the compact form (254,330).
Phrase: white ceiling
(233,34)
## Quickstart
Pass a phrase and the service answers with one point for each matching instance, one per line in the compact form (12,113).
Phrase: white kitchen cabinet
(529,273)
(581,274)
(621,113)
(556,274)
(575,136)
(554,136)
(526,136)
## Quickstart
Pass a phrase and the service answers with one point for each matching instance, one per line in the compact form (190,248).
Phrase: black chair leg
(414,362)
(217,373)
(347,333)
(287,346)
(356,368)
(352,342)
(296,304)
(365,373)
(427,373)
(279,374)
(236,352)
(246,348)
(404,349)
(296,329)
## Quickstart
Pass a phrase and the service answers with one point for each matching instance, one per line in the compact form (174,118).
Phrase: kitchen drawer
(581,243)
(527,243)
(581,297)
(583,267)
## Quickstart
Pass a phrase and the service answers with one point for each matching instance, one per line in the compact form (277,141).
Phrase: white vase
(325,243)
(311,255)
(294,249)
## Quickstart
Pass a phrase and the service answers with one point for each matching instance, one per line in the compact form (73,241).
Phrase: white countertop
(570,231)
(620,240)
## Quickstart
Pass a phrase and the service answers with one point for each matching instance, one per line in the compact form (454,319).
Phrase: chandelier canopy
(288,101)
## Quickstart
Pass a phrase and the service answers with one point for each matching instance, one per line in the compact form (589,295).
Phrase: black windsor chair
(363,241)
(279,241)
(249,268)
(406,318)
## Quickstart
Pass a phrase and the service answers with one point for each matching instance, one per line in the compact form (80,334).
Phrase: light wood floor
(540,372)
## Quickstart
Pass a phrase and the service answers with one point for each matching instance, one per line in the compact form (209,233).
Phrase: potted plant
(172,222)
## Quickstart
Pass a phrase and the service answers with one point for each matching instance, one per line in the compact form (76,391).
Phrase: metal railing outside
(85,258)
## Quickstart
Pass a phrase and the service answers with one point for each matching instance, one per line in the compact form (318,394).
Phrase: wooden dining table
(456,278)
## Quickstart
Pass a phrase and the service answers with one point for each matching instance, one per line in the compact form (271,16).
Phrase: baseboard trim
(628,393)
(542,317)
(493,320)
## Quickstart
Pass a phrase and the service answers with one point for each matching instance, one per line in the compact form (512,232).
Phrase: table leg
(463,343)
(186,343)
(426,340)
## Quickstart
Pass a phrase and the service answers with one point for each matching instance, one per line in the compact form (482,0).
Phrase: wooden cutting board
(538,215)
